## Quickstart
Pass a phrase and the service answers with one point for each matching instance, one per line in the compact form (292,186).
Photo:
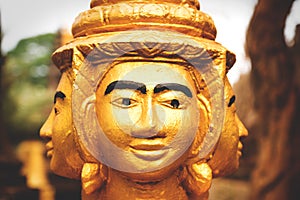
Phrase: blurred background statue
(144,109)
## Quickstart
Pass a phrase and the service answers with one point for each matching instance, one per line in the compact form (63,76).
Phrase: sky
(27,18)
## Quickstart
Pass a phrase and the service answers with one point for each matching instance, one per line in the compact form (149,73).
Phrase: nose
(46,130)
(146,126)
(243,132)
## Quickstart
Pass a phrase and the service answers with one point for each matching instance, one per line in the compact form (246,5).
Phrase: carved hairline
(160,53)
(118,52)
(65,56)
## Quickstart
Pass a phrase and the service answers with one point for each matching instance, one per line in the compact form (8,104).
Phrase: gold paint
(198,180)
(136,140)
(59,133)
(93,176)
(226,163)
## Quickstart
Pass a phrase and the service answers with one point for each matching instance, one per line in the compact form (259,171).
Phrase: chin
(150,176)
(62,169)
(157,175)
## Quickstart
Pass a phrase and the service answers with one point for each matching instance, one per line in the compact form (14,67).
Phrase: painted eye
(175,103)
(124,102)
(231,101)
(56,111)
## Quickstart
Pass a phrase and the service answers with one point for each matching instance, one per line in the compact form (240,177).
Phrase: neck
(121,187)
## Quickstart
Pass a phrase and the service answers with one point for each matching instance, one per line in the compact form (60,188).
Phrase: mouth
(149,150)
(240,147)
(49,149)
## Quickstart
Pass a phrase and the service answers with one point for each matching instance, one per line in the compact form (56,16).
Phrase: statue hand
(93,176)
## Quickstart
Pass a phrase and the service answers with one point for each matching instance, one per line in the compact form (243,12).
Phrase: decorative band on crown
(193,3)
(127,16)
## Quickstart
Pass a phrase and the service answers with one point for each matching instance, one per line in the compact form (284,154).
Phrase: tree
(27,100)
(275,79)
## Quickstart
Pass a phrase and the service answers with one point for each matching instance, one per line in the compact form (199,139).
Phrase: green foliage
(27,99)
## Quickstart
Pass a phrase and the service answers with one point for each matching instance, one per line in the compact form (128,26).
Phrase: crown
(182,16)
(112,17)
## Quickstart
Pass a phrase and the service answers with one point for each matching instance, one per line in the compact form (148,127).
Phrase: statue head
(59,132)
(230,140)
(145,99)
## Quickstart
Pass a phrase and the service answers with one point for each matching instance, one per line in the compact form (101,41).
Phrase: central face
(149,112)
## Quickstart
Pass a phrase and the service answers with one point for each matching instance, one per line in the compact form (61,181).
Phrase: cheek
(62,128)
(104,114)
(232,128)
(231,132)
(125,119)
(182,122)
(114,124)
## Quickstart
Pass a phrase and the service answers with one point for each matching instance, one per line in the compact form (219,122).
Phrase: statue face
(59,133)
(228,151)
(149,111)
(238,129)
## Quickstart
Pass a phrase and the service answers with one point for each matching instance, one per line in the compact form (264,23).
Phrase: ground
(229,189)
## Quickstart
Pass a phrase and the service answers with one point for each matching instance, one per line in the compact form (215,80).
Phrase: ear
(93,176)
(203,125)
(198,180)
(84,111)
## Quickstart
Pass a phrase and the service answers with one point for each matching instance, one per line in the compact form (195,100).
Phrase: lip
(149,155)
(149,150)
(49,149)
(240,147)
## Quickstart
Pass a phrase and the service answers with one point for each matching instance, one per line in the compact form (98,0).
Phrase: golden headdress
(115,16)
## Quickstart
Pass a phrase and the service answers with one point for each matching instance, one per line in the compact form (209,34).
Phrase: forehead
(65,83)
(228,89)
(148,73)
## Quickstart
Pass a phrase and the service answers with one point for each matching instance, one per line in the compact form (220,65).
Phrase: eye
(175,103)
(56,111)
(231,101)
(124,102)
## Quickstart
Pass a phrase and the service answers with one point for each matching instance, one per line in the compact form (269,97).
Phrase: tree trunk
(5,146)
(277,96)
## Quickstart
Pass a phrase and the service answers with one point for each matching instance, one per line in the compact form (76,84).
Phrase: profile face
(59,133)
(148,111)
(238,129)
(233,131)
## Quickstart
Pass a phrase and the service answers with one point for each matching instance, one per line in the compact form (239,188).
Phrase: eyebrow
(60,95)
(173,86)
(125,85)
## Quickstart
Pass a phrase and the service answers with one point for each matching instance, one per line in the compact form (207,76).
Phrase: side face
(229,148)
(149,112)
(59,133)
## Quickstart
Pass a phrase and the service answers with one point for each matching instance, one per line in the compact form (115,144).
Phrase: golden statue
(144,109)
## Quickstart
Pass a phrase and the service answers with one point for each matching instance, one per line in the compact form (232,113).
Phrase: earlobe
(93,176)
(198,180)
